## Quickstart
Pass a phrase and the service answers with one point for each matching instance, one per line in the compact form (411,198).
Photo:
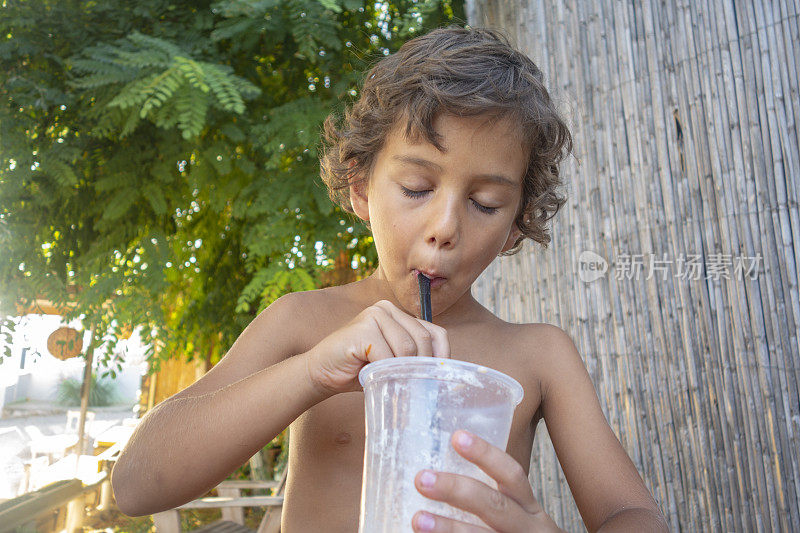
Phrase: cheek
(389,233)
(489,254)
(392,223)
(485,250)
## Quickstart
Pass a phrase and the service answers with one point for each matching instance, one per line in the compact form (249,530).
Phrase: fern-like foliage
(148,78)
(58,164)
(158,164)
(270,283)
(282,131)
(7,328)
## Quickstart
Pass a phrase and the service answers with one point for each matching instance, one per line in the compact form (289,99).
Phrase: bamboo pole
(684,116)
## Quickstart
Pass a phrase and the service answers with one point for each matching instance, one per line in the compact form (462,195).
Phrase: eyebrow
(495,178)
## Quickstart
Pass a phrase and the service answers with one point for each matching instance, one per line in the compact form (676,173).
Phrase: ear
(513,235)
(359,198)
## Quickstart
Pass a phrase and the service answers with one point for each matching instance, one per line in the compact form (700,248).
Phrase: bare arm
(636,519)
(190,442)
(193,440)
(607,488)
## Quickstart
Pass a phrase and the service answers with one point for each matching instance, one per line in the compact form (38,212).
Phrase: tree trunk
(85,389)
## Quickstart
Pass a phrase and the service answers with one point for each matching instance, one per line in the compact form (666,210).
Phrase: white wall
(38,379)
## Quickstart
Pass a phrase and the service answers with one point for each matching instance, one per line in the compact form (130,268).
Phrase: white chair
(32,471)
(232,504)
(54,446)
(74,420)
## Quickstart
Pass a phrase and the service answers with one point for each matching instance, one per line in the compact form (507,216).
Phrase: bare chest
(327,441)
(336,428)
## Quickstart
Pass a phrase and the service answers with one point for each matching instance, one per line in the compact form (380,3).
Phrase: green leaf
(322,199)
(331,4)
(119,205)
(155,197)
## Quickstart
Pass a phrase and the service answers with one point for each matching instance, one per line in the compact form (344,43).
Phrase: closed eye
(419,194)
(412,193)
(483,208)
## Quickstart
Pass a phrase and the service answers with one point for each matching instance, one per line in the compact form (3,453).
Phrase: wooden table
(119,434)
(83,467)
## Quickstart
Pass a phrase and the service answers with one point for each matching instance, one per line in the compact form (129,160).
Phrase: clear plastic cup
(413,405)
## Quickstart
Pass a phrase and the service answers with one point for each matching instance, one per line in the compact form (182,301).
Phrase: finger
(367,342)
(498,465)
(376,347)
(400,341)
(421,336)
(497,510)
(430,338)
(427,522)
(439,340)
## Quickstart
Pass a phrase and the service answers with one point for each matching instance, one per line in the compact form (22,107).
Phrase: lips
(436,281)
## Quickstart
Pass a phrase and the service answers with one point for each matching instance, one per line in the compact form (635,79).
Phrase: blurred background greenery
(102,392)
(159,159)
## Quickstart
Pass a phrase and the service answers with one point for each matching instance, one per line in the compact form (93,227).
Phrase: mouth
(436,281)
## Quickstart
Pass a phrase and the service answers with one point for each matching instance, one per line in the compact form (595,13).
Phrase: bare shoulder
(538,349)
(553,354)
(540,341)
(287,327)
(545,348)
(556,352)
(293,318)
(283,316)
(538,331)
(601,476)
(541,332)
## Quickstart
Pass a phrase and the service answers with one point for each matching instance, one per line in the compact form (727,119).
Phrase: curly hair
(464,72)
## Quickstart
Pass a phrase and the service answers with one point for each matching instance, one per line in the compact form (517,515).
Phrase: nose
(444,223)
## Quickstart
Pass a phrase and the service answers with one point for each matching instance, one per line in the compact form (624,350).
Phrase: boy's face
(447,214)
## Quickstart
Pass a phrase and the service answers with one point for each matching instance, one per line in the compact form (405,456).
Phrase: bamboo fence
(685,183)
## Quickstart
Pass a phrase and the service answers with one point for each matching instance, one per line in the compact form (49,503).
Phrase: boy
(451,156)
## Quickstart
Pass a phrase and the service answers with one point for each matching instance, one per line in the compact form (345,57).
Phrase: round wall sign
(64,343)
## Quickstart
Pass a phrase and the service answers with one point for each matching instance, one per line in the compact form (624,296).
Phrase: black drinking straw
(424,297)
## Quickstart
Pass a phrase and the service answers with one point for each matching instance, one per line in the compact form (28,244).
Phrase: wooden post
(258,470)
(105,495)
(151,391)
(75,515)
(232,514)
(85,388)
(168,521)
